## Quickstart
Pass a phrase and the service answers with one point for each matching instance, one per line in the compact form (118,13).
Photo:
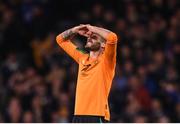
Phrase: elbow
(112,38)
(59,39)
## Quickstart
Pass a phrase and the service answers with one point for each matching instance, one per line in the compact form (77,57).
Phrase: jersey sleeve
(110,50)
(69,48)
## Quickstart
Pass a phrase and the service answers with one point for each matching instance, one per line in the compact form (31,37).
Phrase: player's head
(94,42)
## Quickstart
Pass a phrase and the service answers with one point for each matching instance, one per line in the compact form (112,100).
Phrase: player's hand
(79,29)
(83,30)
(90,27)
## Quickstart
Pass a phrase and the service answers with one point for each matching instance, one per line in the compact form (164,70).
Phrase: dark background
(37,78)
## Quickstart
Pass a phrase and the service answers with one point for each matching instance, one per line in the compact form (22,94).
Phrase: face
(94,42)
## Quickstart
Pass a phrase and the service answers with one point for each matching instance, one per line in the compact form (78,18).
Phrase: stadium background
(37,79)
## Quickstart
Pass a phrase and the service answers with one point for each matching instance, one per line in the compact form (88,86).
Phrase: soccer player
(95,73)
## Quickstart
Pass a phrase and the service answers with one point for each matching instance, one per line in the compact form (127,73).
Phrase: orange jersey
(94,77)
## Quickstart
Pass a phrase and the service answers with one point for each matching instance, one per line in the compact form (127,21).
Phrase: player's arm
(111,43)
(64,41)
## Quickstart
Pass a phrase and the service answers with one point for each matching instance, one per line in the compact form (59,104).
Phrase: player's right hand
(81,30)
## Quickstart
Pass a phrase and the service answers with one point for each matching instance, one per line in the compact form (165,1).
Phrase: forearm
(100,31)
(103,29)
(104,33)
(68,34)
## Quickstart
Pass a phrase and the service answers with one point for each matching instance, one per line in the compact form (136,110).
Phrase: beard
(93,46)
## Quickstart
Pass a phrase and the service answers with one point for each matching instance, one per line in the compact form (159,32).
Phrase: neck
(95,54)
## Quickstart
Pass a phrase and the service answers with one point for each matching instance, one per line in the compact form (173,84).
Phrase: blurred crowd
(38,79)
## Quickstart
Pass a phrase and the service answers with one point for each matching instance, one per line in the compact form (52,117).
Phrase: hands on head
(83,29)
